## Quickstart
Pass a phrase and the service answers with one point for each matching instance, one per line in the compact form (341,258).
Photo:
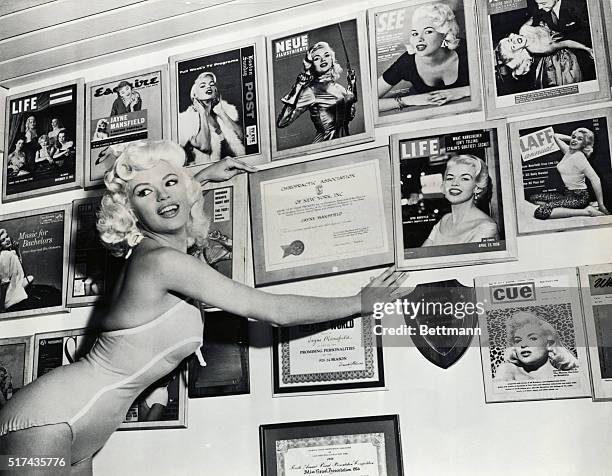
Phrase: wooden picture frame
(370,445)
(15,365)
(297,239)
(424,206)
(527,88)
(299,134)
(389,32)
(539,186)
(34,170)
(111,124)
(238,74)
(37,261)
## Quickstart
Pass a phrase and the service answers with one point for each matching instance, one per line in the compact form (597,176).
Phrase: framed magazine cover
(541,55)
(328,105)
(596,285)
(453,198)
(322,217)
(34,266)
(399,91)
(226,354)
(363,445)
(310,359)
(226,205)
(562,168)
(15,366)
(54,349)
(93,269)
(120,110)
(43,141)
(532,342)
(607,21)
(224,87)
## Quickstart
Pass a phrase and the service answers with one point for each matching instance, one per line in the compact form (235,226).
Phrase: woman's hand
(383,288)
(223,170)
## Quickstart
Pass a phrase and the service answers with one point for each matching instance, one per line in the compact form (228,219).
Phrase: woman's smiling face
(159,198)
(577,142)
(459,182)
(322,60)
(423,36)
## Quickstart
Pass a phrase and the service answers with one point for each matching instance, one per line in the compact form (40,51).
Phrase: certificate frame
(370,377)
(537,132)
(520,96)
(596,286)
(511,301)
(71,345)
(393,17)
(280,78)
(46,232)
(226,353)
(93,269)
(251,54)
(227,229)
(151,86)
(16,363)
(296,267)
(407,171)
(62,101)
(381,431)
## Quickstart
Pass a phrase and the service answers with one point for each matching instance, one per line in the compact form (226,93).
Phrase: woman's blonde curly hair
(117,223)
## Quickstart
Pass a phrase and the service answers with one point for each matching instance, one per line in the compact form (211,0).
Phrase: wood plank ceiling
(39,38)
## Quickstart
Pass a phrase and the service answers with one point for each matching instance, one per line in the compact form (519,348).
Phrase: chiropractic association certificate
(357,455)
(314,218)
(335,355)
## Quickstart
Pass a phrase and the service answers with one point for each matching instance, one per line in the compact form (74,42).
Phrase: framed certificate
(34,266)
(395,32)
(319,87)
(596,285)
(563,171)
(361,446)
(120,110)
(453,198)
(539,55)
(43,141)
(322,217)
(15,366)
(329,356)
(532,343)
(226,355)
(93,270)
(54,349)
(224,88)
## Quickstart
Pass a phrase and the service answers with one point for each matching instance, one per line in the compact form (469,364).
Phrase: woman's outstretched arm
(187,275)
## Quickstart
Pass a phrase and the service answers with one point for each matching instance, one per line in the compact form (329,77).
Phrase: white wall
(446,426)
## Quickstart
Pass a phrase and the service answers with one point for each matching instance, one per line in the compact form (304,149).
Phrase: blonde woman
(574,168)
(534,350)
(466,182)
(317,90)
(435,63)
(151,213)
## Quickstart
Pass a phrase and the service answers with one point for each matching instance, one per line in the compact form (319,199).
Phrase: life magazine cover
(532,341)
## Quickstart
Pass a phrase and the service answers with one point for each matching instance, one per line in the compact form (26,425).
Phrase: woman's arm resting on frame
(187,275)
(223,170)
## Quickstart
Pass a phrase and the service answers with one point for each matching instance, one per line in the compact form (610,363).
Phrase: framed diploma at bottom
(328,356)
(364,446)
(322,217)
